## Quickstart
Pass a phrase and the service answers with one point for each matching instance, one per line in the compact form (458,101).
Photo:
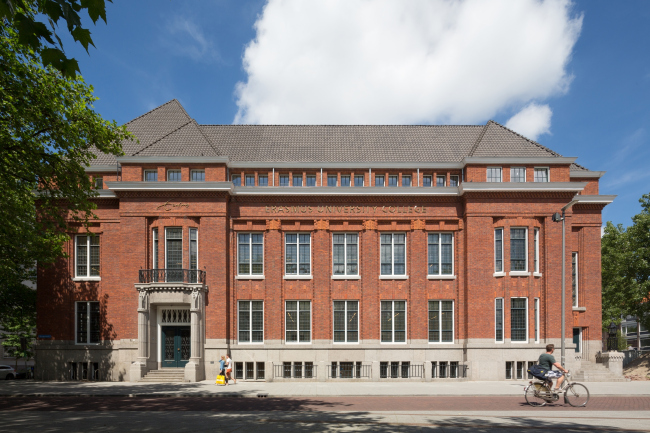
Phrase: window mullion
(88,323)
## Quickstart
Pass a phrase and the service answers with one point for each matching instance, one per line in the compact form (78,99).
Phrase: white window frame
(536,258)
(441,276)
(444,180)
(548,174)
(333,176)
(250,321)
(345,331)
(525,321)
(575,254)
(250,275)
(406,323)
(537,323)
(189,249)
(297,275)
(453,321)
(155,247)
(503,324)
(502,272)
(165,241)
(311,325)
(451,176)
(350,180)
(525,272)
(262,176)
(173,171)
(579,339)
(487,178)
(144,175)
(393,176)
(363,180)
(430,180)
(392,275)
(235,175)
(248,176)
(197,171)
(346,276)
(408,176)
(76,331)
(86,277)
(512,170)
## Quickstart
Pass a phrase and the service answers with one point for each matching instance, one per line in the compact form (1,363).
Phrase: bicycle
(538,393)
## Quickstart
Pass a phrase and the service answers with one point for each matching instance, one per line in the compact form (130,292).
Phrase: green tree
(626,268)
(23,16)
(18,321)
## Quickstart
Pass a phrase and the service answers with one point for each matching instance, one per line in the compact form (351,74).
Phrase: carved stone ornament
(196,300)
(143,301)
(322,224)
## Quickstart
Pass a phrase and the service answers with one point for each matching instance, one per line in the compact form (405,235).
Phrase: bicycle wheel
(577,395)
(534,394)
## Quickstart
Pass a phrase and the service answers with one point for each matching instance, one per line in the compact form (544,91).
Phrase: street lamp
(612,341)
(557,217)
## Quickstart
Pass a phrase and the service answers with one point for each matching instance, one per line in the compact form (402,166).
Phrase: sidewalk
(298,389)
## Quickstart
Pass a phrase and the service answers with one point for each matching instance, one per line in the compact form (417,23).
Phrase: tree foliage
(626,268)
(35,35)
(18,320)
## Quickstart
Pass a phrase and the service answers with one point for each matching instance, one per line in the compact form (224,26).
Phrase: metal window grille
(349,370)
(295,370)
(426,180)
(498,250)
(174,175)
(448,370)
(518,253)
(263,180)
(197,176)
(393,254)
(94,371)
(250,253)
(517,174)
(509,369)
(520,369)
(250,371)
(297,253)
(441,321)
(239,370)
(393,321)
(518,328)
(345,253)
(346,321)
(311,180)
(175,315)
(73,371)
(260,370)
(498,319)
(400,370)
(298,321)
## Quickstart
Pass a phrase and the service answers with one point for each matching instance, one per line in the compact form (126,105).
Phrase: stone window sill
(579,308)
(298,277)
(346,277)
(519,274)
(441,277)
(499,274)
(249,277)
(87,279)
(393,277)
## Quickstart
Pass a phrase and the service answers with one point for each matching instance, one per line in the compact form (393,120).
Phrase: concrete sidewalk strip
(298,389)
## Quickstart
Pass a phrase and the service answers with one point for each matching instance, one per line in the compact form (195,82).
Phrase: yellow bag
(221,380)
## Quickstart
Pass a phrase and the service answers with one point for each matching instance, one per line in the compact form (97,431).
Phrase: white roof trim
(345,190)
(517,160)
(169,186)
(346,165)
(103,168)
(599,199)
(587,173)
(521,186)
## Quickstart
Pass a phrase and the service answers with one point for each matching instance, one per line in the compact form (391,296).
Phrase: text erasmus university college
(322,253)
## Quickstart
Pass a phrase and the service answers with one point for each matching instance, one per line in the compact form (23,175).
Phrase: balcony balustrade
(186,276)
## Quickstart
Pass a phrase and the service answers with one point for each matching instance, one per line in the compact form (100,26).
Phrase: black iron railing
(448,370)
(189,276)
(403,370)
(295,370)
(349,370)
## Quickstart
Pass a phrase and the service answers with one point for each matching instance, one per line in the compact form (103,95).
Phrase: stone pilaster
(139,368)
(194,371)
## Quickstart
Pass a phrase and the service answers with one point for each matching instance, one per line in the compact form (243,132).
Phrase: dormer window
(151,176)
(174,175)
(541,174)
(494,174)
(517,174)
(236,179)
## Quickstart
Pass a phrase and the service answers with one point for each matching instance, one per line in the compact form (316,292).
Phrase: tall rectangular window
(498,250)
(393,321)
(518,250)
(174,175)
(174,253)
(197,175)
(345,180)
(311,180)
(236,179)
(284,180)
(426,180)
(379,180)
(332,180)
(99,183)
(574,278)
(393,254)
(358,180)
(541,174)
(392,180)
(517,174)
(406,180)
(251,321)
(263,180)
(346,321)
(151,176)
(536,252)
(87,323)
(87,256)
(441,251)
(345,254)
(441,180)
(154,253)
(441,321)
(498,319)
(250,180)
(250,254)
(536,312)
(194,255)
(494,174)
(297,253)
(298,321)
(518,319)
(297,180)
(453,180)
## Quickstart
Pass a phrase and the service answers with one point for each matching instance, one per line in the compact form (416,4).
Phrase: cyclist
(547,361)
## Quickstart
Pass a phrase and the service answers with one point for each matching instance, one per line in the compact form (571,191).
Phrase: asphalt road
(319,414)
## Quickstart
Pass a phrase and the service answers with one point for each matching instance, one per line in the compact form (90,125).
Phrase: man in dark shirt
(547,361)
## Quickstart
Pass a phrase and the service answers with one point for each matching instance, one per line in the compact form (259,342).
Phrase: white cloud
(404,62)
(185,38)
(532,121)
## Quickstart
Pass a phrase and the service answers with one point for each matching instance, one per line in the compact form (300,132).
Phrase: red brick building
(324,252)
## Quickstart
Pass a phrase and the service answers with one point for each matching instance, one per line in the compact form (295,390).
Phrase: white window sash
(392,322)
(250,253)
(453,322)
(249,304)
(345,255)
(345,322)
(503,326)
(392,255)
(298,262)
(298,329)
(453,258)
(525,321)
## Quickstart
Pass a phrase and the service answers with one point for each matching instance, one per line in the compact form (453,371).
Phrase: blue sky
(575,76)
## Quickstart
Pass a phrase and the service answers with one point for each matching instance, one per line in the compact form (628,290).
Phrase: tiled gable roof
(499,141)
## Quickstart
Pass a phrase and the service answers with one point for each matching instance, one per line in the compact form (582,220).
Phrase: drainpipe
(321,176)
(273,184)
(418,177)
(370,177)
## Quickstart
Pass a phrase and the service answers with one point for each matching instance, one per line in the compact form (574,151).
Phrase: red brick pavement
(321,404)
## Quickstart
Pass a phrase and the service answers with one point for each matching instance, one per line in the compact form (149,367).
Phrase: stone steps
(170,375)
(594,372)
